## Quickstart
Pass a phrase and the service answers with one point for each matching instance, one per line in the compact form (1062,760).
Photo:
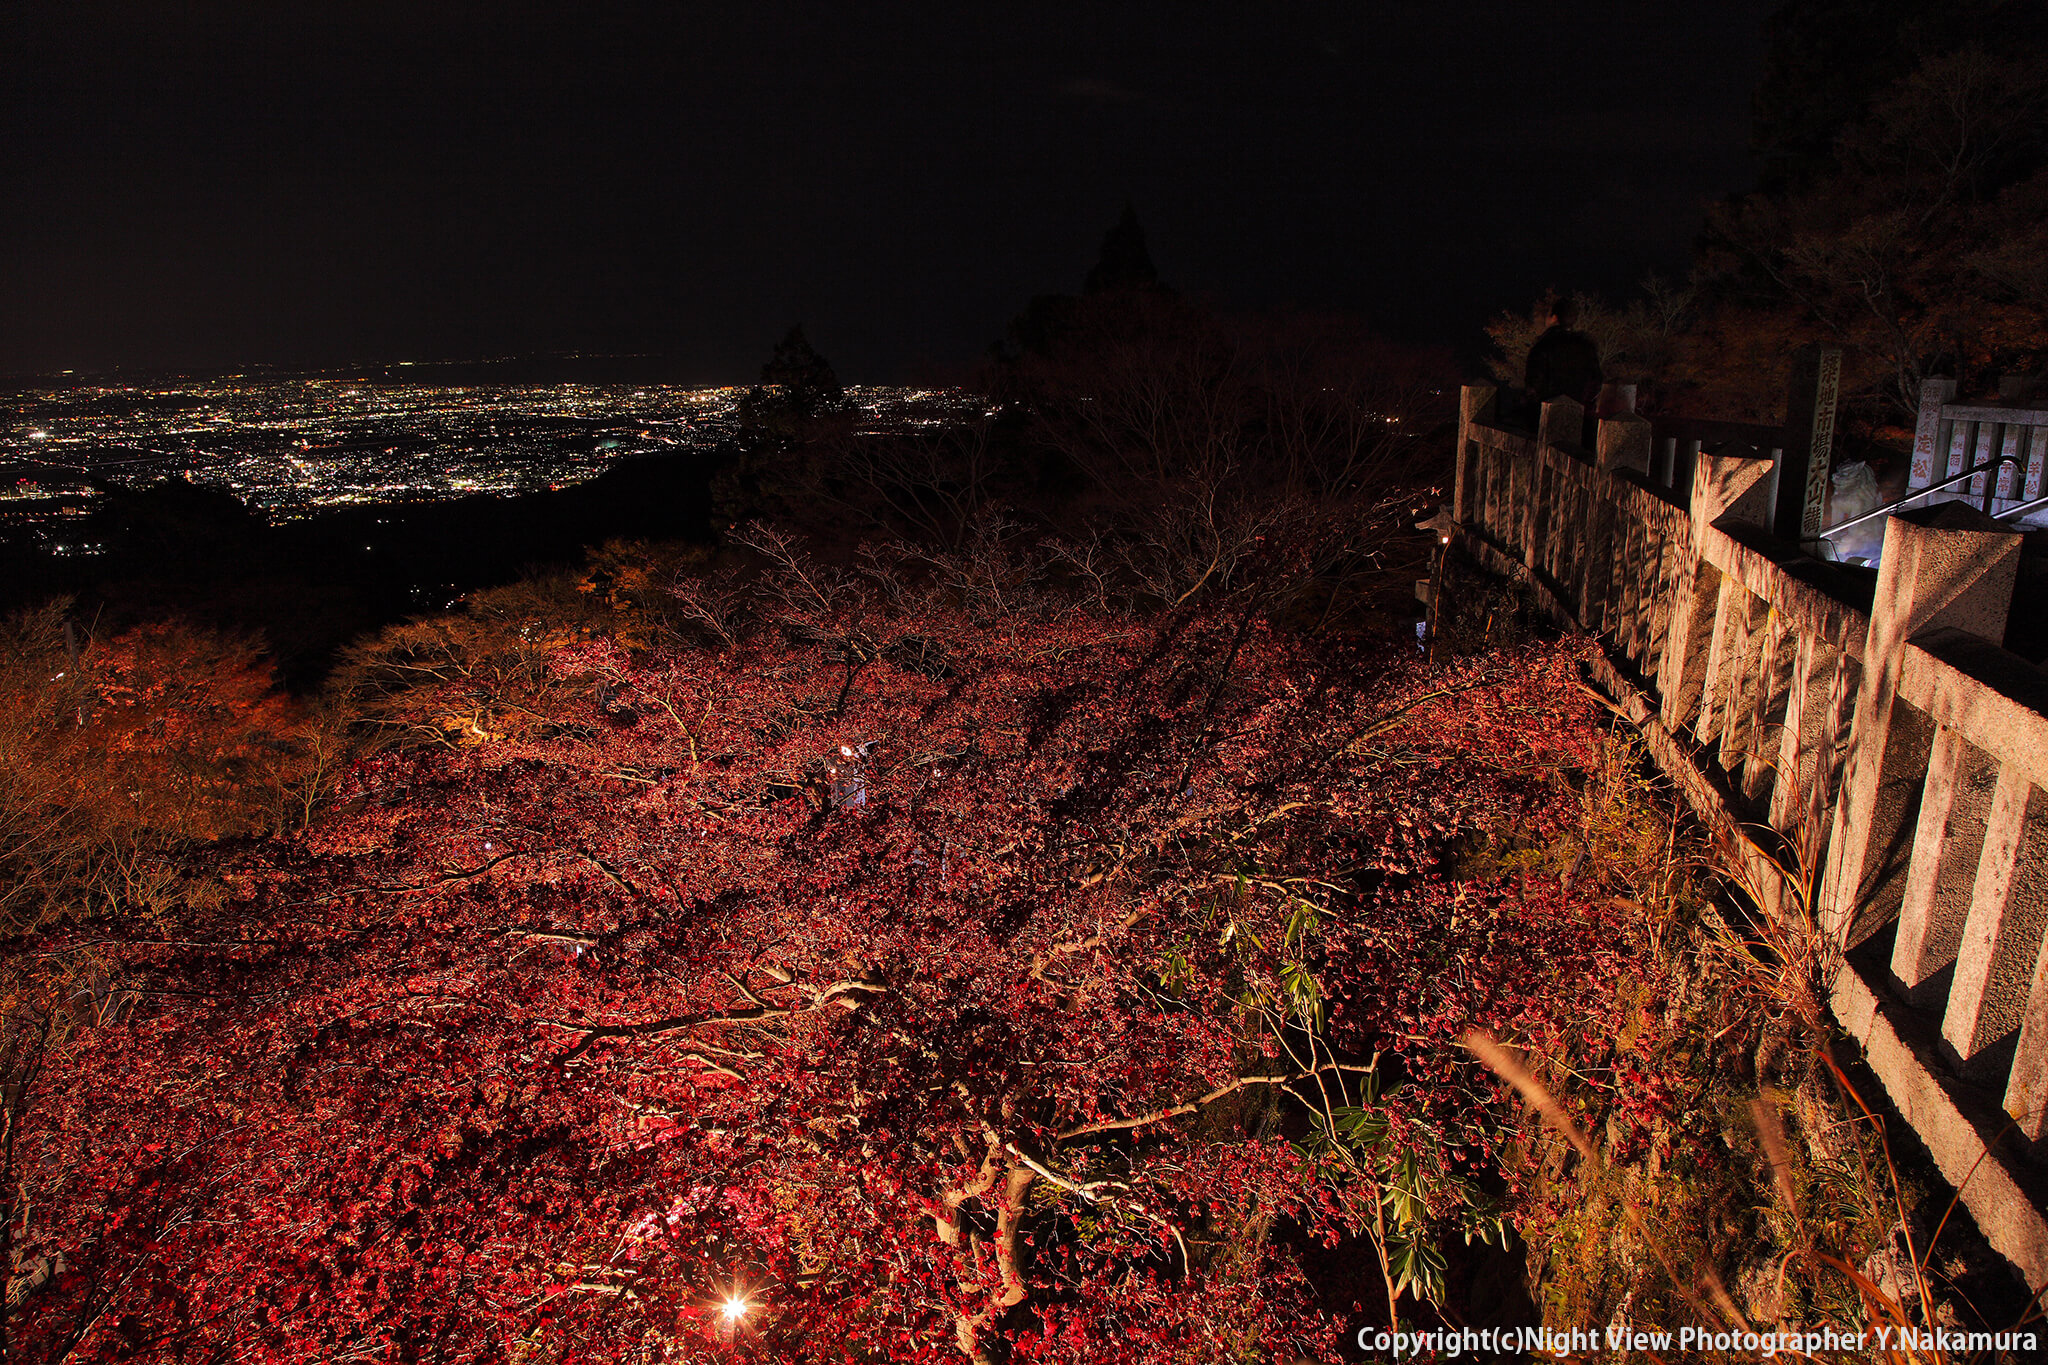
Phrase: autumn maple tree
(879,979)
(121,755)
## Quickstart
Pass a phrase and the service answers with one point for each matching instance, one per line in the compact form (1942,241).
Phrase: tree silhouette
(798,401)
(1121,289)
(803,383)
(1124,262)
(1917,245)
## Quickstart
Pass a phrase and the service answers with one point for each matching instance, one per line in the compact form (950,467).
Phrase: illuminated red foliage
(191,724)
(1002,1041)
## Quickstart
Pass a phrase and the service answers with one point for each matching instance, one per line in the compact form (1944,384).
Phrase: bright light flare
(735,1308)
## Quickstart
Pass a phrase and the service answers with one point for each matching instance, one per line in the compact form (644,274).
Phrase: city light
(294,448)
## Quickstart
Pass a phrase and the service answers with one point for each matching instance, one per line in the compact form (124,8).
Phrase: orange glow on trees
(1135,974)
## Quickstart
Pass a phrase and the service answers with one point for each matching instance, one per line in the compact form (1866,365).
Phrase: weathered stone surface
(1899,754)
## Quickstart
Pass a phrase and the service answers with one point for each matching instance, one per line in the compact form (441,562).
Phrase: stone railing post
(1947,566)
(1998,952)
(1734,487)
(1562,423)
(1624,443)
(1729,487)
(1478,405)
(1948,844)
(2026,1091)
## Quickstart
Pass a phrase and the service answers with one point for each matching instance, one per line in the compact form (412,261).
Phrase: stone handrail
(1873,757)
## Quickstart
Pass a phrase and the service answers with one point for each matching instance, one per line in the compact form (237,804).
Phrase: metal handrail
(1894,505)
(2023,507)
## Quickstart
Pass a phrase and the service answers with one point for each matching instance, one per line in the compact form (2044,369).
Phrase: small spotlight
(735,1309)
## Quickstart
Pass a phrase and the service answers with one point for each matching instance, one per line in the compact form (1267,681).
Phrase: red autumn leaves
(546,1047)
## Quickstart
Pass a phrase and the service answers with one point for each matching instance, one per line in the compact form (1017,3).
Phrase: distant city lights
(291,449)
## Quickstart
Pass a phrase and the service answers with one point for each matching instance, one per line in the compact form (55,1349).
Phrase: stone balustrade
(1870,754)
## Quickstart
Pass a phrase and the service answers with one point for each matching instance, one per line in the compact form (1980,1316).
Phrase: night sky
(227,184)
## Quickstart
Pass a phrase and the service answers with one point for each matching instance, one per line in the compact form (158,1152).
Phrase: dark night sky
(213,184)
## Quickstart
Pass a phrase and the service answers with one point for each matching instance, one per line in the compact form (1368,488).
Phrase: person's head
(1565,312)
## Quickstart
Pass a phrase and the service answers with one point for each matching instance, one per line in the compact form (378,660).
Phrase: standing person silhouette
(1563,363)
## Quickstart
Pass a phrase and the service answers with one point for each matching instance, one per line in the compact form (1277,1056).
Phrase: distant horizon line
(355,369)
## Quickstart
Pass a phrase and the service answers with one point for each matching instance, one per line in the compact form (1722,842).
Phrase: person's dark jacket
(1563,364)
